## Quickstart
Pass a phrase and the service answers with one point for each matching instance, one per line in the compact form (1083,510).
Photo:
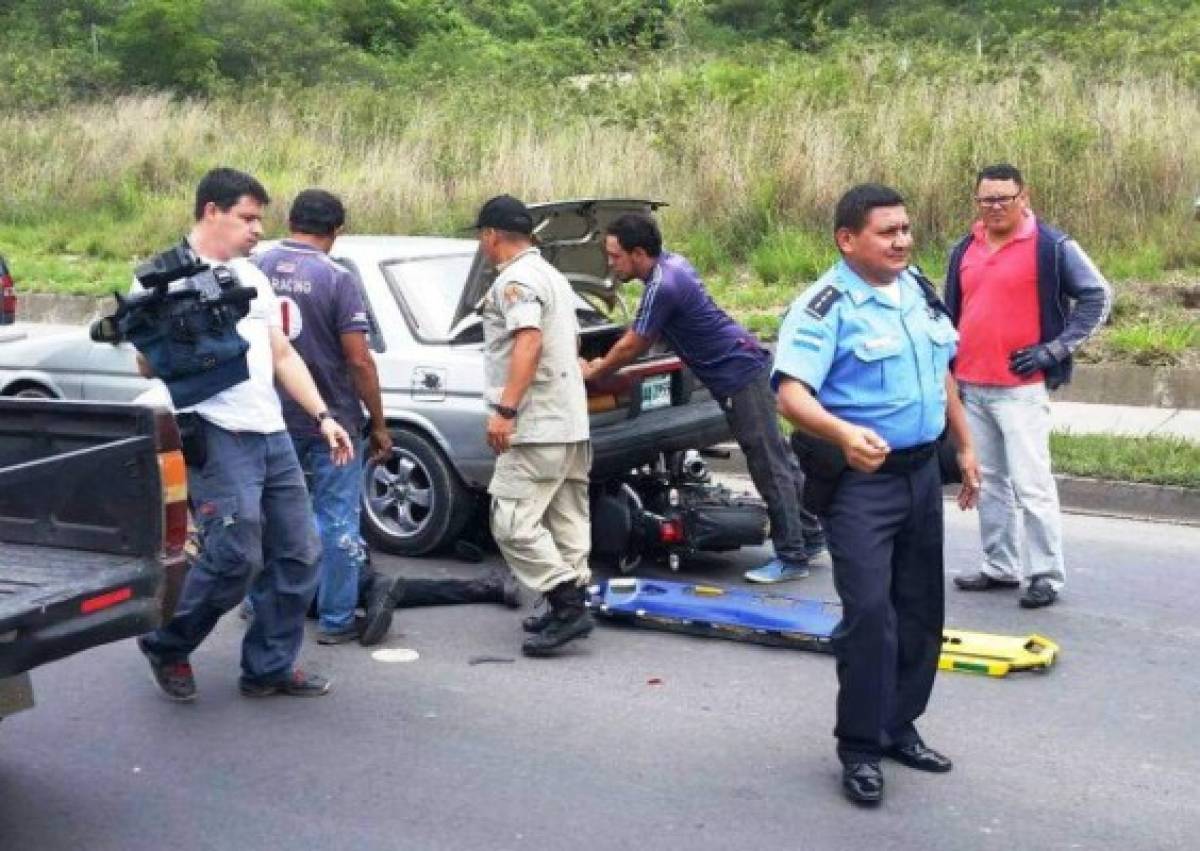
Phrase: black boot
(569,619)
(536,623)
(382,596)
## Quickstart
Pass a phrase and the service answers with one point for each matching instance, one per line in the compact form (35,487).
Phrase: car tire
(29,391)
(414,503)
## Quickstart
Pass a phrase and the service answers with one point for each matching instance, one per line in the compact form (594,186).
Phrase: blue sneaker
(776,571)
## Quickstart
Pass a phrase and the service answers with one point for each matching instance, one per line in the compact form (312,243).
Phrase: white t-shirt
(252,405)
(156,396)
(891,290)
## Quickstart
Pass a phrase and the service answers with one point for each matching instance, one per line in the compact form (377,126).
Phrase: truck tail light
(8,297)
(106,600)
(173,472)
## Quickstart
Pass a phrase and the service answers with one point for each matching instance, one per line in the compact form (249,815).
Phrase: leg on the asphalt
(288,580)
(999,522)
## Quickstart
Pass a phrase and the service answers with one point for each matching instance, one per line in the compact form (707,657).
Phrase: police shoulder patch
(516,293)
(820,304)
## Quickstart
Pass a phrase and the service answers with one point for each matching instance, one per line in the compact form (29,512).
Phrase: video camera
(187,332)
(213,286)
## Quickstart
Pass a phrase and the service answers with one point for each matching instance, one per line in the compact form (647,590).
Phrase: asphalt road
(731,750)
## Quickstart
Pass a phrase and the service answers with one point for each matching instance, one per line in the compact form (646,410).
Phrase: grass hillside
(749,120)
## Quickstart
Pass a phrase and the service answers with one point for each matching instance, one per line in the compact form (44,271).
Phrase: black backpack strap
(929,291)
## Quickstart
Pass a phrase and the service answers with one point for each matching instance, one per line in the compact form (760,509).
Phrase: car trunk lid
(570,234)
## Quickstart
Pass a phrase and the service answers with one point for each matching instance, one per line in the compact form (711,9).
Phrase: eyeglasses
(997,200)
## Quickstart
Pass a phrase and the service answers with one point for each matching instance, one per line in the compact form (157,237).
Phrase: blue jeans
(336,508)
(251,504)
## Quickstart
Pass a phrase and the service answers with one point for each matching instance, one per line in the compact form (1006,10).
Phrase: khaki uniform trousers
(540,512)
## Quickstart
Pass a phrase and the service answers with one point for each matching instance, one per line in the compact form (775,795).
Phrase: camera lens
(105,331)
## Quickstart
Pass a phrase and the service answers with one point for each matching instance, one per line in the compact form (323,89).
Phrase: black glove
(1030,359)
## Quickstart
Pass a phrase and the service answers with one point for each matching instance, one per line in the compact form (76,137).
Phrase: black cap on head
(504,212)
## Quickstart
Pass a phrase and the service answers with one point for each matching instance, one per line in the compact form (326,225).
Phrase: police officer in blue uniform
(862,369)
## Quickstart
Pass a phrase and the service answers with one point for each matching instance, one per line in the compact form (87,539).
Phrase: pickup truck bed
(60,601)
(82,524)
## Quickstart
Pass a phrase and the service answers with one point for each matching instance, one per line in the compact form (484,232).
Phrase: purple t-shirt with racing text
(319,301)
(719,352)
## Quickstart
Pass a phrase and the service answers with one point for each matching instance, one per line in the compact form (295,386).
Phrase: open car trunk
(570,234)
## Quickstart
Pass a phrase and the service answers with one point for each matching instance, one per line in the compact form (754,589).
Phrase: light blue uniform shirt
(870,361)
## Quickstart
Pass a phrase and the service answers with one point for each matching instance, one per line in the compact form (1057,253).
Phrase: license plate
(656,392)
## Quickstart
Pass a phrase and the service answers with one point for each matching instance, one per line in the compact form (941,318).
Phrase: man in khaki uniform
(538,425)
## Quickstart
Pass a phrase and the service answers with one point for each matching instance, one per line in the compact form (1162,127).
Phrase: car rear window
(429,289)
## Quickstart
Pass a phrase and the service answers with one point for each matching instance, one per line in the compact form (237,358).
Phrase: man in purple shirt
(730,362)
(323,315)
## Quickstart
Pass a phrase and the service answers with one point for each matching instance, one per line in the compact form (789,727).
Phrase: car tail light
(670,532)
(173,473)
(624,381)
(8,297)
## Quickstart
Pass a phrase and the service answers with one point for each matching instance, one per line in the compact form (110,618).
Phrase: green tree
(163,44)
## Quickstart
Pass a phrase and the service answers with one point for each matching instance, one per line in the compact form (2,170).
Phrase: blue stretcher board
(780,620)
(759,617)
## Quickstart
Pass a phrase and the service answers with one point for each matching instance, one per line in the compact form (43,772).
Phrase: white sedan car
(420,294)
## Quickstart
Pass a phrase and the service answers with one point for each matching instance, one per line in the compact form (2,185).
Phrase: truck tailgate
(55,602)
(83,509)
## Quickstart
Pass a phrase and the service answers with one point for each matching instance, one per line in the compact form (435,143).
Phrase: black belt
(900,461)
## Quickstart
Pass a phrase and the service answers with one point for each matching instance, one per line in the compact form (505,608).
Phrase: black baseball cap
(504,212)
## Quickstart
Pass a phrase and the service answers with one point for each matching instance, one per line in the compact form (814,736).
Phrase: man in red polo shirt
(1024,296)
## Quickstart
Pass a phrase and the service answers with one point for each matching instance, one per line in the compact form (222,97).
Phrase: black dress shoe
(916,755)
(982,582)
(1039,593)
(384,594)
(862,782)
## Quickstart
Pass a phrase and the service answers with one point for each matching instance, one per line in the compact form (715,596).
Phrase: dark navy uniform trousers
(885,535)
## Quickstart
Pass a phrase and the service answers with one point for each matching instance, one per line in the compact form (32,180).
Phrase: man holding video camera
(246,486)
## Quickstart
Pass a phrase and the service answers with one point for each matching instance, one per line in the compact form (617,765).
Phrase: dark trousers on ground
(449,591)
(885,534)
(773,467)
(252,508)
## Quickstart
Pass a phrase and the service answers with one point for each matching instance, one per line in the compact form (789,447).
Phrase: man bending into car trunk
(732,365)
(538,427)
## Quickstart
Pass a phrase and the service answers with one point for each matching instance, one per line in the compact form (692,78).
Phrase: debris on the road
(484,660)
(395,654)
(654,681)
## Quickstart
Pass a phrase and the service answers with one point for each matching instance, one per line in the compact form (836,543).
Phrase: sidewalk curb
(1160,503)
(60,309)
(1076,495)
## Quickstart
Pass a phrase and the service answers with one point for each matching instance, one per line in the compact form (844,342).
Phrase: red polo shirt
(999,306)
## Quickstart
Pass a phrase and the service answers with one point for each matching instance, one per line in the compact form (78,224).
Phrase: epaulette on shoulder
(820,304)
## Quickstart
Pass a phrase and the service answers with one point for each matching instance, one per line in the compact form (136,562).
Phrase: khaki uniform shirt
(530,293)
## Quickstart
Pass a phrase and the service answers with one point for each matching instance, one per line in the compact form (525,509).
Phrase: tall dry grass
(1114,162)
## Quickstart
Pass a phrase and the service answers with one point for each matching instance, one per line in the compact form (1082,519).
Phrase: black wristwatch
(321,417)
(505,411)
